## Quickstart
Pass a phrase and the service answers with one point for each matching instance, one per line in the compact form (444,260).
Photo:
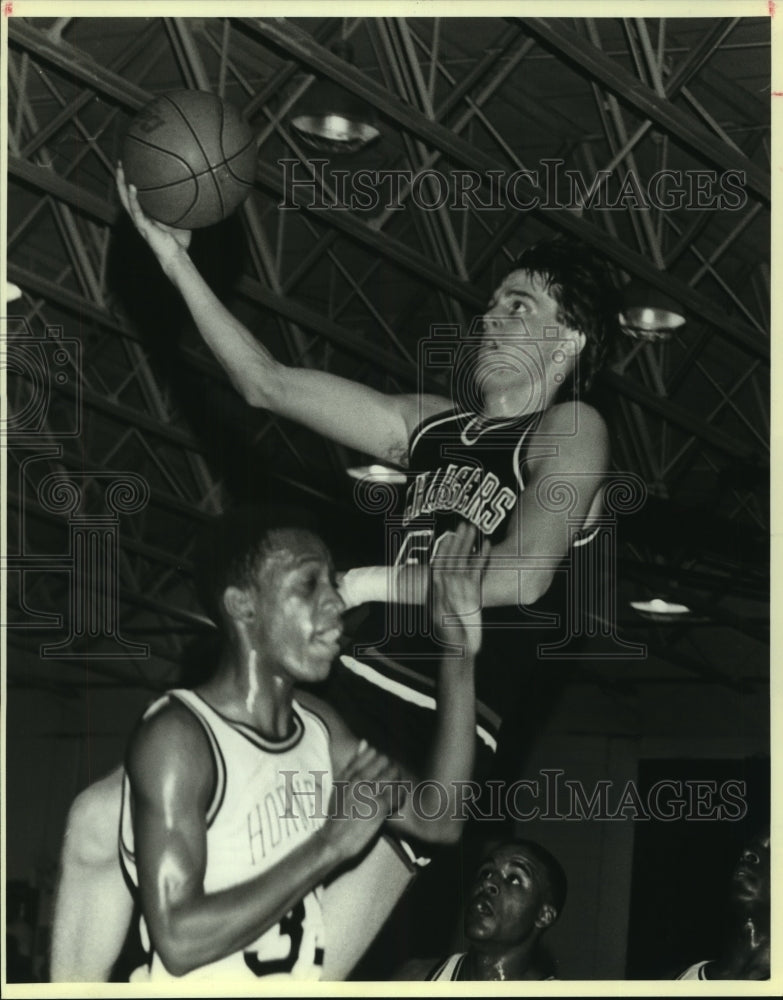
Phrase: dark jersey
(464,466)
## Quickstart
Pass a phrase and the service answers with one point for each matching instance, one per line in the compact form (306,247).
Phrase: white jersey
(448,969)
(695,971)
(270,796)
(451,969)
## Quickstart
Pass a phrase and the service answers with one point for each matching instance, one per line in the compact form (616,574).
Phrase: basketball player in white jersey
(518,892)
(745,951)
(241,798)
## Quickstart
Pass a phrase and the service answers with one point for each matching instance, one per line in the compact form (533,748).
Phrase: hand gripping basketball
(164,241)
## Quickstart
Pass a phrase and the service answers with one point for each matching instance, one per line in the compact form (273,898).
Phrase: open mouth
(482,906)
(329,637)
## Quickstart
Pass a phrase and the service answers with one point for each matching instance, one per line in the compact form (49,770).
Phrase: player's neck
(517,963)
(245,691)
(747,943)
(515,402)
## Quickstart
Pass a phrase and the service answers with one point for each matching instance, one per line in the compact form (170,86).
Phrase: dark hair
(588,300)
(556,888)
(234,545)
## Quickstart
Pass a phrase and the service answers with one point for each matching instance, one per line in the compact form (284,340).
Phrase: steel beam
(76,63)
(631,91)
(301,45)
(304,47)
(46,179)
(676,415)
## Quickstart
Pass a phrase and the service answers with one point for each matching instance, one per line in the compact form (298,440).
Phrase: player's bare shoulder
(169,742)
(581,433)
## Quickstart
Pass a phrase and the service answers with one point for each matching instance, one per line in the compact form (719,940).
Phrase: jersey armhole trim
(219,792)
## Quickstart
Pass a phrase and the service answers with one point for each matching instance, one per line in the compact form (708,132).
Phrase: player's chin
(320,656)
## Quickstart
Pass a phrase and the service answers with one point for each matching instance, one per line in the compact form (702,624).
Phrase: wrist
(366,583)
(176,265)
(328,847)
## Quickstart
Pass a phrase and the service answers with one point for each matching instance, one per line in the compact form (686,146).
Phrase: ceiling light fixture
(660,610)
(648,313)
(329,119)
(377,473)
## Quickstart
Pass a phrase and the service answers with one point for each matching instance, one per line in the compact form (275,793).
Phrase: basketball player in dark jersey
(512,433)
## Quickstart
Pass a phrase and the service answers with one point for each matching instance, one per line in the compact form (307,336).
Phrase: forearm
(206,927)
(431,814)
(344,411)
(506,582)
(452,752)
(253,372)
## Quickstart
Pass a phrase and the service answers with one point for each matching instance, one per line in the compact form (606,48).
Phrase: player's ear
(238,604)
(547,915)
(579,339)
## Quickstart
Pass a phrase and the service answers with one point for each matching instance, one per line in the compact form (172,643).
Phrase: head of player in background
(270,587)
(548,326)
(518,891)
(750,880)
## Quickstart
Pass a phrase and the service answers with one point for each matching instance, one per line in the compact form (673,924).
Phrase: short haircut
(234,545)
(588,300)
(556,887)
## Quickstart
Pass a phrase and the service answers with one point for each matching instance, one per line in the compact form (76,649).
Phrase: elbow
(178,943)
(177,955)
(445,831)
(261,388)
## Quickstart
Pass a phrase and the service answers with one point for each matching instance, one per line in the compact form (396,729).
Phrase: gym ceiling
(124,435)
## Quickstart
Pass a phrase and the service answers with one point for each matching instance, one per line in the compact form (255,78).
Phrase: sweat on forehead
(236,544)
(292,542)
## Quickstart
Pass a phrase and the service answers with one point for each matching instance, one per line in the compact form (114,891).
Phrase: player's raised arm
(347,412)
(425,804)
(456,581)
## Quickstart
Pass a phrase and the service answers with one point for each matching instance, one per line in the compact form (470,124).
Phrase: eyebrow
(311,557)
(519,860)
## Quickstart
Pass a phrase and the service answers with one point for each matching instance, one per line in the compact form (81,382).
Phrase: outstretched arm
(456,582)
(456,585)
(347,412)
(93,906)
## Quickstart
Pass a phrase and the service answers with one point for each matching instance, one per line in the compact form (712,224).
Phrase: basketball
(191,157)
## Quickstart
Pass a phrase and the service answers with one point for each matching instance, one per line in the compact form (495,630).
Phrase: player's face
(508,898)
(523,340)
(750,879)
(298,612)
